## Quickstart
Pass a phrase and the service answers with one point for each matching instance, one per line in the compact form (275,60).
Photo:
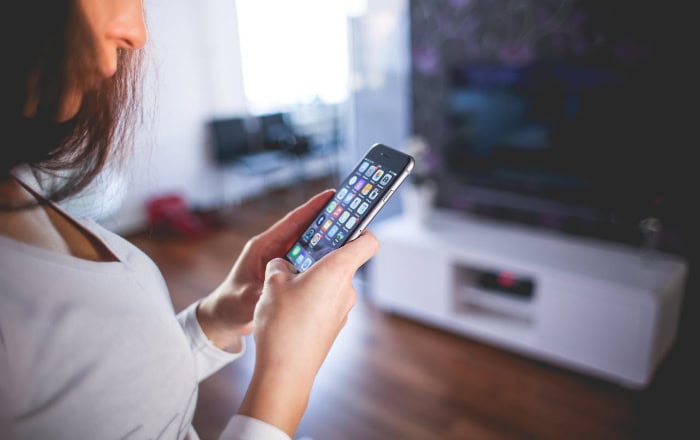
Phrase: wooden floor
(391,378)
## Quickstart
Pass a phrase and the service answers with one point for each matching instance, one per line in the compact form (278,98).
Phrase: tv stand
(599,308)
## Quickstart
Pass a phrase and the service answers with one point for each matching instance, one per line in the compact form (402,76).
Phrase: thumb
(288,229)
(279,267)
(355,253)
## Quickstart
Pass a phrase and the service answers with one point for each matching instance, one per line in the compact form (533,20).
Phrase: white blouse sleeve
(6,425)
(208,357)
(247,428)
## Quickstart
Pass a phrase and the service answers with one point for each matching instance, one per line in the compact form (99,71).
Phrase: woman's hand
(227,313)
(297,320)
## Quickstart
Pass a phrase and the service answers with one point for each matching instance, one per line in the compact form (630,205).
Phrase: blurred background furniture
(596,307)
(258,153)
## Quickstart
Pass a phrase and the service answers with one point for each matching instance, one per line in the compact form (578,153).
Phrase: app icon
(352,180)
(331,206)
(370,171)
(355,203)
(306,264)
(300,258)
(316,238)
(308,234)
(363,167)
(332,232)
(344,217)
(378,175)
(326,225)
(342,193)
(337,212)
(295,251)
(360,183)
(366,189)
(351,222)
(363,207)
(373,195)
(320,220)
(348,198)
(338,237)
(385,179)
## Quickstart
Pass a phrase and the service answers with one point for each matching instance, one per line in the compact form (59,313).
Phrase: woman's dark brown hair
(53,54)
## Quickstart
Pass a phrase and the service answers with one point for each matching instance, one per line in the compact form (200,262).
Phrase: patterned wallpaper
(451,33)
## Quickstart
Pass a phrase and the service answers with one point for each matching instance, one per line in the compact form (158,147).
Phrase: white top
(93,350)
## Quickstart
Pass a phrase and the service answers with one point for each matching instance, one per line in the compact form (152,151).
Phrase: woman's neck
(27,222)
(12,193)
(41,225)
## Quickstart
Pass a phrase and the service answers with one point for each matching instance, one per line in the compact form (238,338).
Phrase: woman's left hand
(227,313)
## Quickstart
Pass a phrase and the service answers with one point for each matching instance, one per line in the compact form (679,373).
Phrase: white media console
(599,308)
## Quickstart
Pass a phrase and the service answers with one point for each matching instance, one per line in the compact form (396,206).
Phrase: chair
(234,151)
(279,135)
(230,139)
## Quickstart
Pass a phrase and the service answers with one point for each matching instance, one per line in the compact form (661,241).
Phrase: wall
(192,74)
(452,33)
(380,96)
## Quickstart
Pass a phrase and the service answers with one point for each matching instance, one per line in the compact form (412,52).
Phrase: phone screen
(355,203)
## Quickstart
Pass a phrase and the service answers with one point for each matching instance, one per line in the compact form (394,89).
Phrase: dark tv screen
(587,140)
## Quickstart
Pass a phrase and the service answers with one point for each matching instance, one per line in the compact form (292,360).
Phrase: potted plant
(418,198)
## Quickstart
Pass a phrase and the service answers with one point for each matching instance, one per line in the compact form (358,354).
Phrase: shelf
(596,307)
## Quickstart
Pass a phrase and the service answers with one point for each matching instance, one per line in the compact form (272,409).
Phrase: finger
(279,268)
(353,254)
(292,225)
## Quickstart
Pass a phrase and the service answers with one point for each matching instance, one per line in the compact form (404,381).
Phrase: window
(293,52)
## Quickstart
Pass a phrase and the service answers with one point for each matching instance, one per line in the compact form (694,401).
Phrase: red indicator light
(506,279)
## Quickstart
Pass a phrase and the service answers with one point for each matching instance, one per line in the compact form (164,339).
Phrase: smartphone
(357,201)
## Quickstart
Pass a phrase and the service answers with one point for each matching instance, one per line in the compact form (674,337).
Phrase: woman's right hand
(297,319)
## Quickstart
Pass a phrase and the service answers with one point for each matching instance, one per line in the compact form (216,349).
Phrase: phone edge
(373,213)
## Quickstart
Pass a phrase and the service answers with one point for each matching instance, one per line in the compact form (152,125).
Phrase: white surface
(598,307)
(192,74)
(238,183)
(100,354)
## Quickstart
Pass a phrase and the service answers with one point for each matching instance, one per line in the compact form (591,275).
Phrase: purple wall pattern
(451,33)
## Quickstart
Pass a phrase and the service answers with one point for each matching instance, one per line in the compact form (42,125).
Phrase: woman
(89,344)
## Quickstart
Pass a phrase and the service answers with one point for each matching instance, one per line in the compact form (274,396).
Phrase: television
(583,138)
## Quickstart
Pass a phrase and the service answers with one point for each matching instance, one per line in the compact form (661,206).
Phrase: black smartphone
(358,200)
